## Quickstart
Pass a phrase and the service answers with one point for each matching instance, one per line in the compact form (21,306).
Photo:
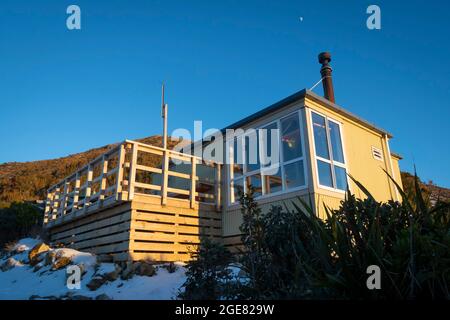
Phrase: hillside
(27,181)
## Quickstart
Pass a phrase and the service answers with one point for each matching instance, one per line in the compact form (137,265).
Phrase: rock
(60,261)
(49,257)
(171,267)
(102,296)
(9,264)
(128,271)
(146,269)
(113,275)
(95,283)
(38,267)
(35,253)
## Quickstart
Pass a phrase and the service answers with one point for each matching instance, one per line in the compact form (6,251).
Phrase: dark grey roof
(300,95)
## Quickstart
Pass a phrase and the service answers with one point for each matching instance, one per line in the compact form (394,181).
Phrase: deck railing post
(120,163)
(132,178)
(218,187)
(165,177)
(47,207)
(87,198)
(62,209)
(56,202)
(103,178)
(193,181)
(76,194)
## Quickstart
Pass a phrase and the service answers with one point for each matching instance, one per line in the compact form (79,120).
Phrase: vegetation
(30,180)
(295,255)
(208,273)
(19,220)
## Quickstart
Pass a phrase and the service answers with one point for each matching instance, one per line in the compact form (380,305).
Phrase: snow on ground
(162,286)
(22,282)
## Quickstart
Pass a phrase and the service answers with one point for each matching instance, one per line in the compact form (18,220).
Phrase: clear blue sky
(63,92)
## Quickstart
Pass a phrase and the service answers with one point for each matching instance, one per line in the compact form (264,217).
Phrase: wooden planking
(120,237)
(174,206)
(163,247)
(158,236)
(96,224)
(183,220)
(112,248)
(157,257)
(150,226)
(232,240)
(76,237)
(99,215)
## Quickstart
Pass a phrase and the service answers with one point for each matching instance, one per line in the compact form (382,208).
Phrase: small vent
(377,154)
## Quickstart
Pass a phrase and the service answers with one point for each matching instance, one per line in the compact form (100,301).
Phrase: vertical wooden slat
(47,207)
(62,209)
(165,179)
(56,203)
(103,177)
(193,181)
(76,195)
(133,163)
(218,187)
(90,174)
(120,163)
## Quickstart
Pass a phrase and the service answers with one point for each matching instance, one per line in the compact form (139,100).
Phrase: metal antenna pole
(164,116)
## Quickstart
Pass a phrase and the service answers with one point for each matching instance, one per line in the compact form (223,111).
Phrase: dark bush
(19,220)
(207,273)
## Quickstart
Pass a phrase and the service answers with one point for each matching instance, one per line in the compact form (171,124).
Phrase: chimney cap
(324,58)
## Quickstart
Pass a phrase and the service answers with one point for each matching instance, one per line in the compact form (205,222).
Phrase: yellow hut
(135,202)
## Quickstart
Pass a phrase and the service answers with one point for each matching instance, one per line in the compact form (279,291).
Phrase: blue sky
(63,92)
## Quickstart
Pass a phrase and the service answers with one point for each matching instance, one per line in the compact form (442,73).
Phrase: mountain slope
(27,181)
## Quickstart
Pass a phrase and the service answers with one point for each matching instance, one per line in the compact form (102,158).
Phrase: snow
(105,268)
(162,286)
(21,281)
(26,244)
(77,257)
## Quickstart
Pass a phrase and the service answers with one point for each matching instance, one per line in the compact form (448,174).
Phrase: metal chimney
(325,71)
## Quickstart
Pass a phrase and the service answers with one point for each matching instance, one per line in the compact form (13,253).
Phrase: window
(331,169)
(279,165)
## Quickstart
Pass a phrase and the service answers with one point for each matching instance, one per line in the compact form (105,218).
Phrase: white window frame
(281,164)
(330,161)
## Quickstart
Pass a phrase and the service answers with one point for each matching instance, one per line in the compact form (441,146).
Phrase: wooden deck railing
(132,168)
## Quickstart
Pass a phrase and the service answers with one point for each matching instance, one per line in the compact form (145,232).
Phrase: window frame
(330,161)
(262,169)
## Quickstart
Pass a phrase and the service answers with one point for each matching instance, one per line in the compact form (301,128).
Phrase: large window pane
(273,180)
(238,187)
(325,178)
(252,152)
(206,173)
(320,136)
(336,143)
(341,178)
(294,174)
(238,157)
(290,137)
(255,182)
(266,134)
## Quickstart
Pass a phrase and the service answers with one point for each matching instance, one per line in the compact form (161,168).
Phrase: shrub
(294,254)
(207,273)
(19,220)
